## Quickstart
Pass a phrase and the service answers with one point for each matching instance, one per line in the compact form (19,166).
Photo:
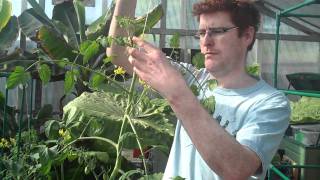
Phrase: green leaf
(306,110)
(84,46)
(18,76)
(175,41)
(30,22)
(66,15)
(164,149)
(125,136)
(105,111)
(96,80)
(108,59)
(55,46)
(212,84)
(80,10)
(89,49)
(44,73)
(45,112)
(68,34)
(5,13)
(194,89)
(9,34)
(15,166)
(101,156)
(127,174)
(38,10)
(52,129)
(156,176)
(198,60)
(209,103)
(69,81)
(253,69)
(178,178)
(47,156)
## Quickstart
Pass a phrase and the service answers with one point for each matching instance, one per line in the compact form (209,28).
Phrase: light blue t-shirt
(256,117)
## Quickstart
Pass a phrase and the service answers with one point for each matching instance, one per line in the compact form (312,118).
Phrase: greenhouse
(159,89)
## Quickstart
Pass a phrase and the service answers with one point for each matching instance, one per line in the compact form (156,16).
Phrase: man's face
(224,50)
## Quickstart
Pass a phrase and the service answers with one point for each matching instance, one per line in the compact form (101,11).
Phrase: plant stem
(141,95)
(101,74)
(89,138)
(139,144)
(85,128)
(75,64)
(96,177)
(62,171)
(119,149)
(124,125)
(32,65)
(173,49)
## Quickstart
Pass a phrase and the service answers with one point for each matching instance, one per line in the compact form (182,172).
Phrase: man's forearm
(119,57)
(219,149)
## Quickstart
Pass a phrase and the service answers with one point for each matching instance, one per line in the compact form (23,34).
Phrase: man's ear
(248,35)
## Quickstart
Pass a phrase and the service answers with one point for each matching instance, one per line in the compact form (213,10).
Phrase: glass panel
(294,56)
(29,6)
(144,6)
(49,8)
(192,43)
(93,13)
(173,14)
(192,21)
(16,7)
(269,26)
(153,39)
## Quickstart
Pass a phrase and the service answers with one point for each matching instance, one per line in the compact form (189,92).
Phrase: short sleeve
(191,74)
(264,129)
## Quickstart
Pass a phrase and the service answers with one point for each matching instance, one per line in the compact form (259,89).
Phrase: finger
(131,60)
(138,55)
(144,44)
(138,64)
(140,73)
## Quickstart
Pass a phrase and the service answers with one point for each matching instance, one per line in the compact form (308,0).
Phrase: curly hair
(243,13)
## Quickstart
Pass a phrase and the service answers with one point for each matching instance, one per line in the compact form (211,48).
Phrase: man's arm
(223,153)
(119,57)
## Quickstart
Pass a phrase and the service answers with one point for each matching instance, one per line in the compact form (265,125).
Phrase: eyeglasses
(213,31)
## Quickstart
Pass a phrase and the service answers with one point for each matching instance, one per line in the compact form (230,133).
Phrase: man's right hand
(151,65)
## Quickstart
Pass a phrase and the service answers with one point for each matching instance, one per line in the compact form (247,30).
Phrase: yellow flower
(143,83)
(61,132)
(4,143)
(13,141)
(65,134)
(119,71)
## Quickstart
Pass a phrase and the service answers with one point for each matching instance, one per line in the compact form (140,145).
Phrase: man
(250,118)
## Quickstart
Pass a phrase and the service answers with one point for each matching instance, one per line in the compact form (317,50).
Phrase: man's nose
(208,39)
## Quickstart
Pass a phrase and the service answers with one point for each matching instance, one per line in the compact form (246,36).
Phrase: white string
(145,23)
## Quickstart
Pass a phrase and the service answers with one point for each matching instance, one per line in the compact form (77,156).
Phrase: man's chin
(211,68)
